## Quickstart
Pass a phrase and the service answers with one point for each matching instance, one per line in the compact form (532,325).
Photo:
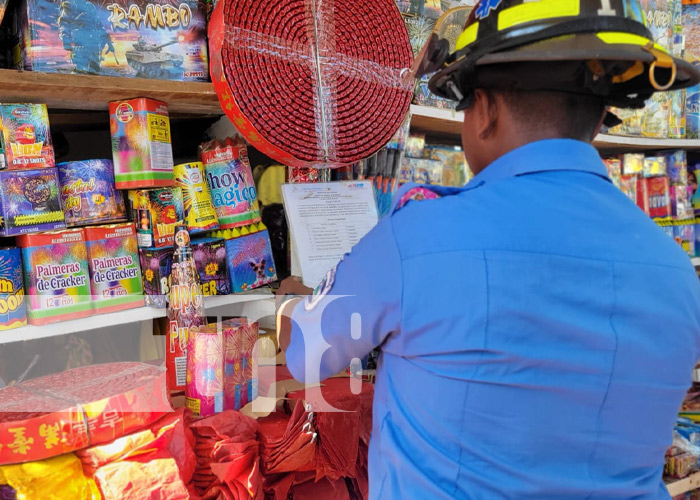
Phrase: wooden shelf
(684,485)
(449,122)
(90,92)
(120,318)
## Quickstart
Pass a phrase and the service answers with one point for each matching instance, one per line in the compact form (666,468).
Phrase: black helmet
(598,47)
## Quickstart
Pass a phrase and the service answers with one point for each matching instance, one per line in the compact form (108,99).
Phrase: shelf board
(447,121)
(91,92)
(684,485)
(119,318)
(696,261)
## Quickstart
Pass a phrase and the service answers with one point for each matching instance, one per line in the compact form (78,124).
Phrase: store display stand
(684,485)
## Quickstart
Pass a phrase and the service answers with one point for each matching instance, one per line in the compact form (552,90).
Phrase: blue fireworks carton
(13,310)
(30,201)
(249,257)
(164,39)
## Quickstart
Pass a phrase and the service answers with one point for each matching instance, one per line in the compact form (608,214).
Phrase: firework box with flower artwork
(204,392)
(156,212)
(240,382)
(250,263)
(115,272)
(210,257)
(30,201)
(13,311)
(156,264)
(230,179)
(56,276)
(141,144)
(25,141)
(88,194)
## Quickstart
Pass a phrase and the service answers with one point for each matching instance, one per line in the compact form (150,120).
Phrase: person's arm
(354,309)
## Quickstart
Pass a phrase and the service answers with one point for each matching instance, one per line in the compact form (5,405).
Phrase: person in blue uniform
(537,330)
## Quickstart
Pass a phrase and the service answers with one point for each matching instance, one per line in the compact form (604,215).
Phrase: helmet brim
(582,47)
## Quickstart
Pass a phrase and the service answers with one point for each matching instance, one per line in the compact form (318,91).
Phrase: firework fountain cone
(185,309)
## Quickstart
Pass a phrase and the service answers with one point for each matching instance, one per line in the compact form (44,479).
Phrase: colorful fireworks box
(88,195)
(26,137)
(56,276)
(156,213)
(141,145)
(230,178)
(115,271)
(200,215)
(13,310)
(240,377)
(156,264)
(250,259)
(164,39)
(210,257)
(68,411)
(30,201)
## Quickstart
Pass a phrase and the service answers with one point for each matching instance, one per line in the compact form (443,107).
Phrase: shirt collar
(545,156)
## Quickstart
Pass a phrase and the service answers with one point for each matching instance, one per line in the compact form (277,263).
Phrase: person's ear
(486,113)
(600,124)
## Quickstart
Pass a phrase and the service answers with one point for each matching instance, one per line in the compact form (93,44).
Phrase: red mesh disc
(312,82)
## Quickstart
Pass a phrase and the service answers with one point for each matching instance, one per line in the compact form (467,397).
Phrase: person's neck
(504,145)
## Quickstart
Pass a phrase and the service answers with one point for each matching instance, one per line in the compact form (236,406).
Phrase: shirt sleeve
(354,309)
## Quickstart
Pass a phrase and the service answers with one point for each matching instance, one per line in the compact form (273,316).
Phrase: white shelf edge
(696,261)
(448,115)
(98,321)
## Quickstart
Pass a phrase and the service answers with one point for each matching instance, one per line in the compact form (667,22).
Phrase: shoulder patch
(323,288)
(416,194)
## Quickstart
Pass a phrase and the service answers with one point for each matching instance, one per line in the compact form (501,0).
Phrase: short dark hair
(572,116)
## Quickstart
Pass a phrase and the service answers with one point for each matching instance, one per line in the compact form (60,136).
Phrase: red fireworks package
(653,196)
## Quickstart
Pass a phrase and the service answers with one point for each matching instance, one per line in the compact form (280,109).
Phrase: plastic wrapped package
(61,413)
(157,462)
(58,478)
(313,82)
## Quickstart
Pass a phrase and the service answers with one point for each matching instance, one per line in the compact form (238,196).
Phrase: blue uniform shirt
(537,330)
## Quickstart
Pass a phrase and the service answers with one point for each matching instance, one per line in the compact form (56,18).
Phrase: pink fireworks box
(240,359)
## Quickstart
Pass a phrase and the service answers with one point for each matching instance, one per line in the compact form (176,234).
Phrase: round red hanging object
(312,82)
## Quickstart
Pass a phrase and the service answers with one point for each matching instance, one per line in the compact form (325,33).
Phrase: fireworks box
(210,258)
(156,264)
(25,137)
(156,213)
(164,39)
(68,411)
(30,201)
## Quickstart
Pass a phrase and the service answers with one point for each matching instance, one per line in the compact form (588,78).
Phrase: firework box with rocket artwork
(156,213)
(56,276)
(30,201)
(164,39)
(13,310)
(88,195)
(25,141)
(250,263)
(141,145)
(115,271)
(156,264)
(210,258)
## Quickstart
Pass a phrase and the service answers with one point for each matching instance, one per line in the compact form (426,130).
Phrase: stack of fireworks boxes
(660,185)
(665,113)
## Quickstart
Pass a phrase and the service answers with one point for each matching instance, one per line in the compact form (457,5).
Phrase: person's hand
(291,286)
